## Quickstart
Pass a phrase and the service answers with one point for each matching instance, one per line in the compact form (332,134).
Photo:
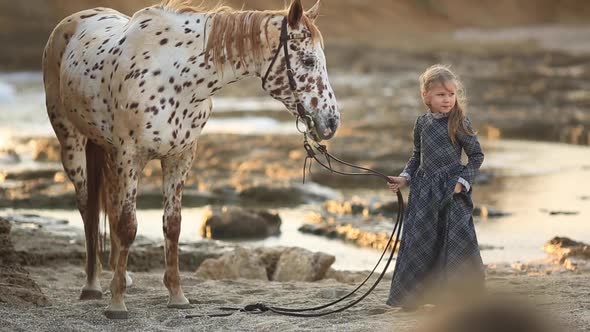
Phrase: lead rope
(259,308)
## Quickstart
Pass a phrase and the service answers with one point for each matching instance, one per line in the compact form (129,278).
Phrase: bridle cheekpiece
(284,45)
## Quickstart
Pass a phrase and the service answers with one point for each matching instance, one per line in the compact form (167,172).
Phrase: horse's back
(119,86)
(73,60)
(66,30)
(84,38)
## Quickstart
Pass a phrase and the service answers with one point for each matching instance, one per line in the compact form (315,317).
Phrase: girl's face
(441,97)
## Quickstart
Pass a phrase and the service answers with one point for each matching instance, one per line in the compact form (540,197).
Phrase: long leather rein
(314,149)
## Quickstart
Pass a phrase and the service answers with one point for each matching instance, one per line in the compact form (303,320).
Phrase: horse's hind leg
(73,157)
(127,170)
(175,169)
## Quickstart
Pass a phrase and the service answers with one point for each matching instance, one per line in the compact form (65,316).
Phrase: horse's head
(297,76)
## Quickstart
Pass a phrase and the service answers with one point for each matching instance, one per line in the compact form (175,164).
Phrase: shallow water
(531,180)
(348,256)
(537,178)
(22,111)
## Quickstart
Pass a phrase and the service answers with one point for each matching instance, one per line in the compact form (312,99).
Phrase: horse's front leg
(174,169)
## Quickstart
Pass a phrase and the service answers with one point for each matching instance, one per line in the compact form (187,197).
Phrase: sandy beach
(554,287)
(564,295)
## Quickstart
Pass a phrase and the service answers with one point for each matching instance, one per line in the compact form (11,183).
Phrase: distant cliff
(26,24)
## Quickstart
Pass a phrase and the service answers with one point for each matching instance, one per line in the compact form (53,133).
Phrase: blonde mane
(183,6)
(236,34)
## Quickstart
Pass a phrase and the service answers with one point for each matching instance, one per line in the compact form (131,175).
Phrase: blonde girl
(438,239)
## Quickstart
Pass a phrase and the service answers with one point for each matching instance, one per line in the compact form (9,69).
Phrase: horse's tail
(95,184)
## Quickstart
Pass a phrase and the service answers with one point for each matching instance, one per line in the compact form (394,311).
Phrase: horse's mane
(235,34)
(183,6)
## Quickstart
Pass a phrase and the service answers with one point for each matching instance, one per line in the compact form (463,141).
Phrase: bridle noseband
(284,44)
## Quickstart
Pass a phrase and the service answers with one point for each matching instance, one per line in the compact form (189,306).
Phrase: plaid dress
(438,236)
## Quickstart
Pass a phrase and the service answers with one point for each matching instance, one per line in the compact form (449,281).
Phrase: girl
(438,238)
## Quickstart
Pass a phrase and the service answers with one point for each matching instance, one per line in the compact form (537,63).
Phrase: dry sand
(565,294)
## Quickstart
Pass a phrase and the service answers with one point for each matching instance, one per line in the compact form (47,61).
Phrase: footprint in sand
(207,301)
(379,311)
(251,291)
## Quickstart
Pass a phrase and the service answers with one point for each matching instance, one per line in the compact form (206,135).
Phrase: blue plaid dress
(438,236)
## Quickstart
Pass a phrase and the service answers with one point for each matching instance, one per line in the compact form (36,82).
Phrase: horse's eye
(309,62)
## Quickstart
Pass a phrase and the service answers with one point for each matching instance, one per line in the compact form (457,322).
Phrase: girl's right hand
(396,183)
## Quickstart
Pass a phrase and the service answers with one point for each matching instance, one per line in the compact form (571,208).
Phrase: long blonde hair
(442,74)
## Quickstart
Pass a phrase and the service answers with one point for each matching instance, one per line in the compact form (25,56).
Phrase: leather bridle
(284,45)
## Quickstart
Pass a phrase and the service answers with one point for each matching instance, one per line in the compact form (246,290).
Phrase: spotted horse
(121,91)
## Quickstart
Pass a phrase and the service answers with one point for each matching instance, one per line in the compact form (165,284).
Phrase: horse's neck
(229,72)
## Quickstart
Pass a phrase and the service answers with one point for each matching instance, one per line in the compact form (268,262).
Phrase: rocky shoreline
(368,222)
(225,172)
(37,241)
(526,95)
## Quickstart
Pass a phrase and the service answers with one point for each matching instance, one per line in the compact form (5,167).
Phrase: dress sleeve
(470,144)
(414,161)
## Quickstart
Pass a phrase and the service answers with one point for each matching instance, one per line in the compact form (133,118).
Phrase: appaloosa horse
(122,91)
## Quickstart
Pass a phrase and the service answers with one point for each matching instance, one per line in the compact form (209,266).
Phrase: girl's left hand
(458,188)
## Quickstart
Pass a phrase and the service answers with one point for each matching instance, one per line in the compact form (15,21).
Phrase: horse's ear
(295,13)
(314,11)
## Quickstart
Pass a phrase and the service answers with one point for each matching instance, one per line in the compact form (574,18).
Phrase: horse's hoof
(111,314)
(180,306)
(90,294)
(128,280)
